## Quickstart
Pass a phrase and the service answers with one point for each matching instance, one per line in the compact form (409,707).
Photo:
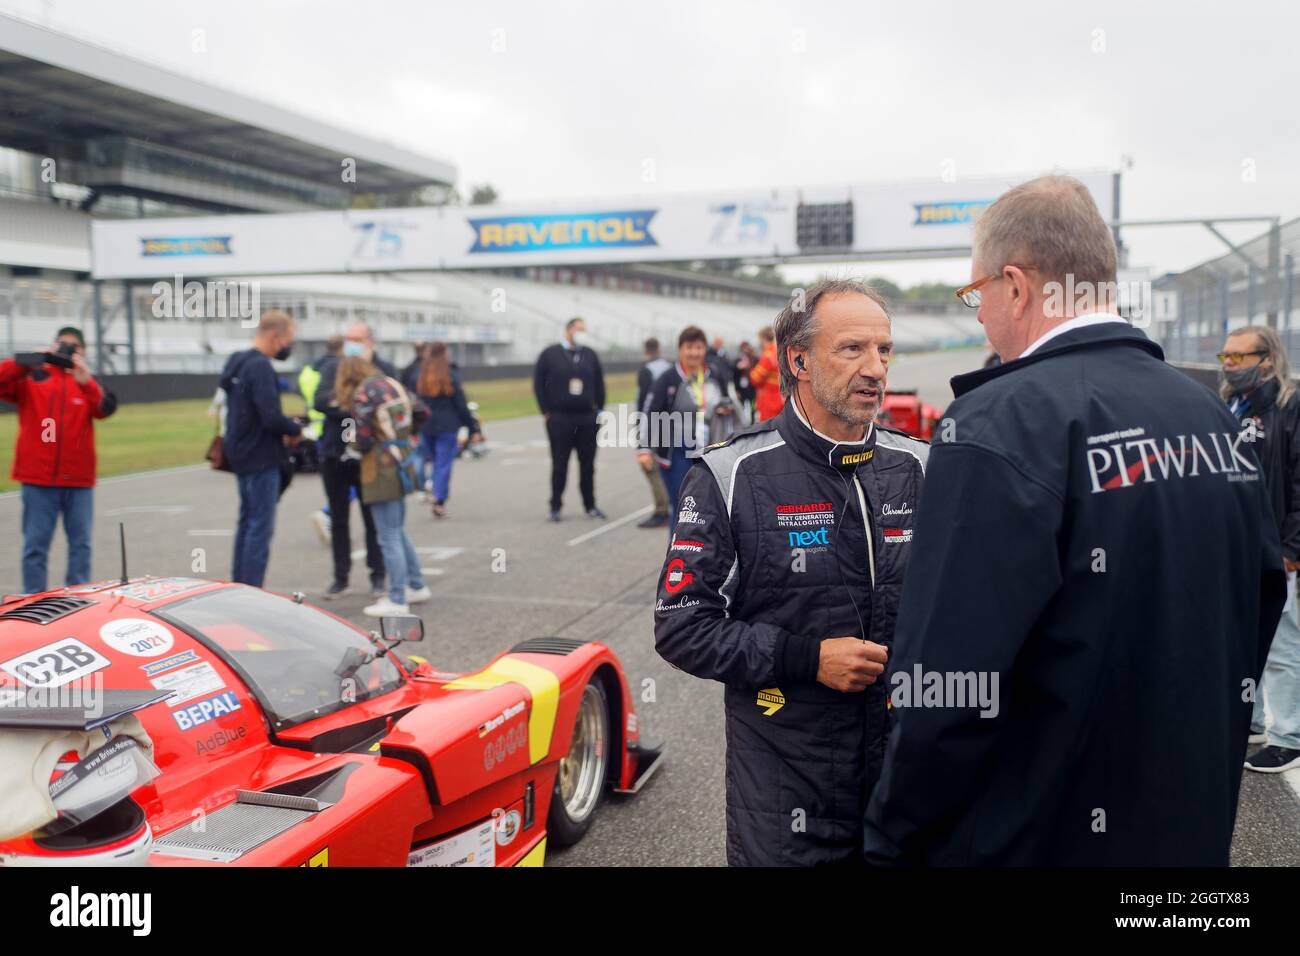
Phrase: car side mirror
(402,627)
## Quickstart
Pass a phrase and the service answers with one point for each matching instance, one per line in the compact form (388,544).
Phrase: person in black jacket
(645,378)
(340,468)
(782,580)
(1260,392)
(1095,581)
(570,390)
(438,386)
(256,432)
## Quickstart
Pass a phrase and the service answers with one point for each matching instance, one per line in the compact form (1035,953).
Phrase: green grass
(145,436)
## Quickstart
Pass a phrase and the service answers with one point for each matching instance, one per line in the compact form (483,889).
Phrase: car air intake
(230,832)
(547,645)
(46,609)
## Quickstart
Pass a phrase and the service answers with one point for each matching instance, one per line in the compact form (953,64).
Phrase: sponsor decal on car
(488,726)
(205,710)
(161,588)
(320,858)
(474,847)
(55,664)
(169,663)
(137,636)
(189,683)
(676,576)
(508,826)
(220,739)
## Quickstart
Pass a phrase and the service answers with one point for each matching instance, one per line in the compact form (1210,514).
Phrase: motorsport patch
(771,700)
(897,535)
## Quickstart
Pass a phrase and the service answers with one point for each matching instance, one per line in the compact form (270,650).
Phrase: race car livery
(184,722)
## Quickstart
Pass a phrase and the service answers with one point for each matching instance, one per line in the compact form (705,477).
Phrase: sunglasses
(1236,356)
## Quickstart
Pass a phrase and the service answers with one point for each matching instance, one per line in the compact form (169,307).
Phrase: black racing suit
(785,538)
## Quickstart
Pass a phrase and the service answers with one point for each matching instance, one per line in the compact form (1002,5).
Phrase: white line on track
(612,525)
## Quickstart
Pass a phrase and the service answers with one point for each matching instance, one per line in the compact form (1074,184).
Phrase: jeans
(399,554)
(1281,683)
(657,491)
(674,475)
(259,493)
(441,448)
(42,505)
(342,480)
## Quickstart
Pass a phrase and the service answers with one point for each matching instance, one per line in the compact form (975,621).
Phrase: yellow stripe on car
(535,856)
(542,685)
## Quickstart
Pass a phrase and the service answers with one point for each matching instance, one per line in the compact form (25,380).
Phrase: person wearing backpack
(384,419)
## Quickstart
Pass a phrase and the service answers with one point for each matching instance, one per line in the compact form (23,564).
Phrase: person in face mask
(1257,385)
(256,432)
(340,469)
(570,389)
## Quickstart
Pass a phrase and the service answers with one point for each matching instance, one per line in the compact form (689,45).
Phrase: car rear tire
(580,776)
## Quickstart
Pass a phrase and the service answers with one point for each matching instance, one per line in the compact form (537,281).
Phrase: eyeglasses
(970,294)
(1236,356)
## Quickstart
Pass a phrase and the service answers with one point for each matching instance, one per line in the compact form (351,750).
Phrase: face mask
(283,354)
(581,340)
(354,349)
(1244,379)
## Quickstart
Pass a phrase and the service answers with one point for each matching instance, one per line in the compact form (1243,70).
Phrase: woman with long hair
(440,389)
(383,420)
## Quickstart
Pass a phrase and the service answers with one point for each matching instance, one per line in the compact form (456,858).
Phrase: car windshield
(301,663)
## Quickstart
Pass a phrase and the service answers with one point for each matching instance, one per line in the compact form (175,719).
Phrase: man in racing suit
(782,580)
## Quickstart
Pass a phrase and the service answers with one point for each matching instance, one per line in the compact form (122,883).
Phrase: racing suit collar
(814,446)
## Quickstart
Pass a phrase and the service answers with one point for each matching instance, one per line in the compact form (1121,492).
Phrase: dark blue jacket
(255,425)
(447,413)
(331,443)
(1096,536)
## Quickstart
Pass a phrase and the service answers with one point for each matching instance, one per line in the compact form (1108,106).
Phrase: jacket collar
(1104,335)
(1264,397)
(813,445)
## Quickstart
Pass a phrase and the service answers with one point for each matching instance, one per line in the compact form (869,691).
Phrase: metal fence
(1255,284)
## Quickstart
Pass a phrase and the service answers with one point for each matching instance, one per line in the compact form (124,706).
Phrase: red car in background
(237,726)
(904,410)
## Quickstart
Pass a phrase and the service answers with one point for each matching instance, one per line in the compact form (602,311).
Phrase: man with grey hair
(782,580)
(1088,512)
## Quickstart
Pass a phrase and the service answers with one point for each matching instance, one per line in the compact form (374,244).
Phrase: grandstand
(87,133)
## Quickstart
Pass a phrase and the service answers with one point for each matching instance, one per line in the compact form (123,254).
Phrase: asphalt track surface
(579,578)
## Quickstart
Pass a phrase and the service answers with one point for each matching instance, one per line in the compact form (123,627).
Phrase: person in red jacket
(766,379)
(54,458)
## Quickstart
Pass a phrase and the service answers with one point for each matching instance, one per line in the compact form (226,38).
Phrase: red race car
(904,410)
(185,722)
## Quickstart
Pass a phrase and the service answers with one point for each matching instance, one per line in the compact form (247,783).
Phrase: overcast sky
(557,100)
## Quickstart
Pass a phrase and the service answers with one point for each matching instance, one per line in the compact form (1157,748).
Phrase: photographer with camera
(54,457)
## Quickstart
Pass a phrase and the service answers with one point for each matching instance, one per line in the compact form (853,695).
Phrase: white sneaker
(385,607)
(322,522)
(420,596)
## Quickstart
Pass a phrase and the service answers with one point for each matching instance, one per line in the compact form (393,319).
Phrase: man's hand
(80,373)
(1290,565)
(645,460)
(849,664)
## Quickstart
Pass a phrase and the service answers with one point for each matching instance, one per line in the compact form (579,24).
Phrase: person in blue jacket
(256,433)
(439,388)
(1095,579)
